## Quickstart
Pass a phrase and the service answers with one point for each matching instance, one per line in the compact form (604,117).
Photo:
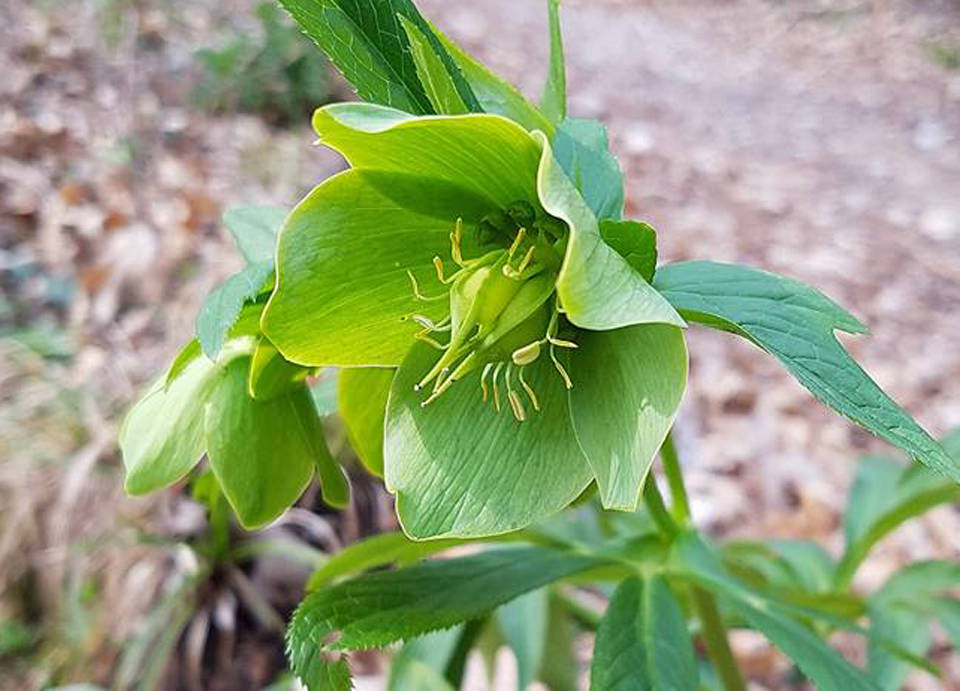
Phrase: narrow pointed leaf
(254,228)
(553,103)
(461,469)
(642,642)
(523,622)
(187,354)
(796,324)
(373,552)
(385,606)
(627,388)
(886,494)
(433,74)
(365,41)
(362,403)
(222,308)
(598,289)
(494,94)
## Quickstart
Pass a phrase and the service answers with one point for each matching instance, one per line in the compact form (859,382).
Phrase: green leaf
(324,392)
(270,375)
(379,550)
(634,241)
(365,41)
(161,438)
(433,74)
(692,559)
(884,495)
(523,622)
(420,664)
(627,388)
(796,324)
(461,469)
(580,147)
(559,670)
(898,623)
(948,612)
(553,103)
(493,93)
(254,228)
(362,402)
(598,289)
(642,641)
(187,354)
(385,606)
(263,453)
(222,308)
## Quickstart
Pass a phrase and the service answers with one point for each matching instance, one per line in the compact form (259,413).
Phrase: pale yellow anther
(455,241)
(526,354)
(517,405)
(516,243)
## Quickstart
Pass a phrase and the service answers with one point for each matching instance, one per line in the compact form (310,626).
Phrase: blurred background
(819,139)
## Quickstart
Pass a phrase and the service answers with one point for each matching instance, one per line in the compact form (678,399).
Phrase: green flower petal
(262,453)
(627,387)
(343,293)
(598,289)
(488,156)
(461,470)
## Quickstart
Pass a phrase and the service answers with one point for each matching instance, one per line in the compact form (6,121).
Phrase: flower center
(503,308)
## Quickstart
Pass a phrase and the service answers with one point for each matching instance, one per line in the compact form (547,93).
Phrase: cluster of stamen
(485,286)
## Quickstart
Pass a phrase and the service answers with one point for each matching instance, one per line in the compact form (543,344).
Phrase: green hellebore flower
(253,416)
(532,358)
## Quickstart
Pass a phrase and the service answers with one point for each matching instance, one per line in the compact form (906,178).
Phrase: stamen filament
(496,387)
(560,369)
(420,296)
(483,381)
(529,390)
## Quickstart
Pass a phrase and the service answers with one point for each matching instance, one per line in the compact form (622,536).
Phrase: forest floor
(819,139)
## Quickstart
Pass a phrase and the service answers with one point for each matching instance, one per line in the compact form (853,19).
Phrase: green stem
(712,627)
(715,636)
(657,508)
(678,490)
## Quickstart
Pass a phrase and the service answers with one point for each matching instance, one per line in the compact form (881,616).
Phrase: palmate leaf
(885,495)
(796,324)
(692,559)
(383,607)
(642,642)
(902,610)
(366,42)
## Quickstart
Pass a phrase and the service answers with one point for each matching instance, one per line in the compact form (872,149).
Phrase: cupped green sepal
(461,468)
(264,453)
(162,437)
(628,384)
(598,289)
